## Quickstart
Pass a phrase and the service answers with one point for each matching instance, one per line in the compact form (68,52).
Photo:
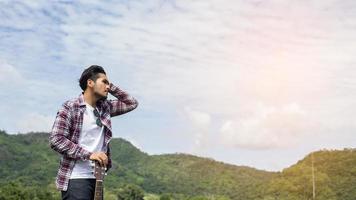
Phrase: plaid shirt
(68,125)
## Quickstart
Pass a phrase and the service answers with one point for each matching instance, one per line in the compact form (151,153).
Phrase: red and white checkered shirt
(68,125)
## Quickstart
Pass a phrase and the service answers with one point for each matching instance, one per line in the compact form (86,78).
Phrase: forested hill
(27,159)
(334,177)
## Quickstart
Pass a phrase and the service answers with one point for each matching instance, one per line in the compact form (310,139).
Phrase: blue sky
(257,83)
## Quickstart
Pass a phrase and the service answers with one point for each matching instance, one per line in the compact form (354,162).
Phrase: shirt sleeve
(109,158)
(60,133)
(124,102)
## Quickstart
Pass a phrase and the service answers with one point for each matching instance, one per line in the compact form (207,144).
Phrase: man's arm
(59,136)
(124,102)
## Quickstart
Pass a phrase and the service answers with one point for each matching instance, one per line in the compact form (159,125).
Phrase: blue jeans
(79,189)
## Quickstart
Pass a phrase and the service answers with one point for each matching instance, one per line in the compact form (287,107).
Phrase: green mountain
(334,177)
(27,162)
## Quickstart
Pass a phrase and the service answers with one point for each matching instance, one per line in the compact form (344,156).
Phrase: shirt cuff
(85,155)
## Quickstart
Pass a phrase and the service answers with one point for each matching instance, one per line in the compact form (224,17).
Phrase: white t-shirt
(91,139)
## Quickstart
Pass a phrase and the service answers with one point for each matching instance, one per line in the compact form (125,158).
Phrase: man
(82,131)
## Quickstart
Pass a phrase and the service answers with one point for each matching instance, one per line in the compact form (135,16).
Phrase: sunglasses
(98,121)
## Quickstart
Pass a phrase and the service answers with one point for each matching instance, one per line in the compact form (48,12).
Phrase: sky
(257,83)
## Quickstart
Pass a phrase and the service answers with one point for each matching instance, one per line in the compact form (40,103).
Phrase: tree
(15,190)
(130,192)
(165,197)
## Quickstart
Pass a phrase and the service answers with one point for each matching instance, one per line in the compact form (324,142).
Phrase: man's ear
(90,83)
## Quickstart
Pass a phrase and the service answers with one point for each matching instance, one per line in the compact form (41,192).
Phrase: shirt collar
(82,102)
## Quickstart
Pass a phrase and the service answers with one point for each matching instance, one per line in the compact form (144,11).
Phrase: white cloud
(201,125)
(198,118)
(267,127)
(9,74)
(34,122)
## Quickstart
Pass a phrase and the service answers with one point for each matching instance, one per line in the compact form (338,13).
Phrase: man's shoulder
(71,103)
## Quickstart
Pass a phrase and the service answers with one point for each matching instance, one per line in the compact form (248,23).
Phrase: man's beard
(100,97)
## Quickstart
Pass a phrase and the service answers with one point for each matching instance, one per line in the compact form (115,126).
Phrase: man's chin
(101,97)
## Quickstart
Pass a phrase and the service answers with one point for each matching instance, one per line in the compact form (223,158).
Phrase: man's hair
(90,73)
